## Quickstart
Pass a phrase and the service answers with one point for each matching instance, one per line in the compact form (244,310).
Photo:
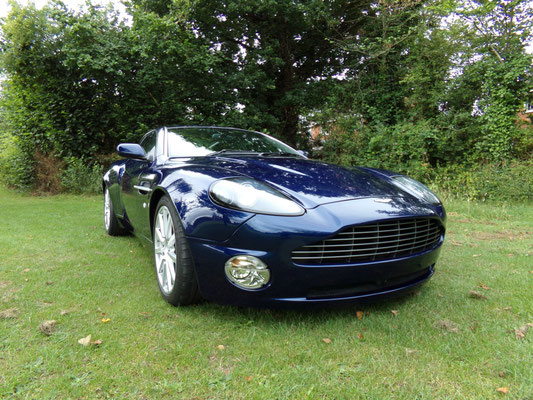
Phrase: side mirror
(131,150)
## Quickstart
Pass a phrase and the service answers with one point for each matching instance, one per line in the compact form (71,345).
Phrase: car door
(139,177)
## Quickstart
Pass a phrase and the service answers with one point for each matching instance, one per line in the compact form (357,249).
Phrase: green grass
(55,256)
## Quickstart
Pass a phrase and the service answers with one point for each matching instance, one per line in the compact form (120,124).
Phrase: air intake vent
(384,240)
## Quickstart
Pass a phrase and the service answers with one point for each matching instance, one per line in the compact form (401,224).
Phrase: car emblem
(382,200)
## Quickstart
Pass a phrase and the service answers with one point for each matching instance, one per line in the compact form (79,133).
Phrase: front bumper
(272,239)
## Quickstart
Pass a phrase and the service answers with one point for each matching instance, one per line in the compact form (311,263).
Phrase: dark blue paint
(334,197)
(131,150)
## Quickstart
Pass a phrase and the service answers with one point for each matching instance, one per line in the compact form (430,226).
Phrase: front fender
(201,218)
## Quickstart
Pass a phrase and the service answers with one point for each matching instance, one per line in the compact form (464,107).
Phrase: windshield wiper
(279,154)
(230,151)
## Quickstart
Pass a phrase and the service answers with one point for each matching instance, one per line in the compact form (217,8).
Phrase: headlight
(250,195)
(416,188)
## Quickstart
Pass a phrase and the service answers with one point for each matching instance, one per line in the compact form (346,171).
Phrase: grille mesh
(384,240)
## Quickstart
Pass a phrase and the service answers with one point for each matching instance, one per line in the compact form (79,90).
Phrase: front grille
(384,240)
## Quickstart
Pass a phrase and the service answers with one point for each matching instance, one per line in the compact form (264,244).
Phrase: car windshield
(203,141)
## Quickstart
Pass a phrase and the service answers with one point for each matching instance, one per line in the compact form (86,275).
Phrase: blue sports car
(238,217)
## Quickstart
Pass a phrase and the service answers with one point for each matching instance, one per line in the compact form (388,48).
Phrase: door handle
(140,188)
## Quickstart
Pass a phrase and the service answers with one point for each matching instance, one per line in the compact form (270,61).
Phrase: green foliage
(392,85)
(82,177)
(16,166)
(406,148)
(510,181)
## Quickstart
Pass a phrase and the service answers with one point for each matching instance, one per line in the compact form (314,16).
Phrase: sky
(72,4)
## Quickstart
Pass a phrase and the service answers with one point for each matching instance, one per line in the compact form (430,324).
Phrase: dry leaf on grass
(476,255)
(63,312)
(360,336)
(9,313)
(249,378)
(221,347)
(447,325)
(394,312)
(520,333)
(26,270)
(86,341)
(106,320)
(326,340)
(359,314)
(503,390)
(476,295)
(483,286)
(47,327)
(506,308)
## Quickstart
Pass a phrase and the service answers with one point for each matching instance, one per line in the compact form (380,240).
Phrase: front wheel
(173,261)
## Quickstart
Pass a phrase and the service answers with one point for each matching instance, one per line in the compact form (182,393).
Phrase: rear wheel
(112,226)
(172,257)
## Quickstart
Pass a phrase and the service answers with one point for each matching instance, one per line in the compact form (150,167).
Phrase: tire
(112,226)
(174,266)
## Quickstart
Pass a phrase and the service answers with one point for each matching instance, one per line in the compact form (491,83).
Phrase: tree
(277,54)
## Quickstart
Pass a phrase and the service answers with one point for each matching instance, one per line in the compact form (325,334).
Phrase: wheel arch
(157,194)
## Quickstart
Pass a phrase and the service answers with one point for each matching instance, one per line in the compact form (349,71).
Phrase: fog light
(247,272)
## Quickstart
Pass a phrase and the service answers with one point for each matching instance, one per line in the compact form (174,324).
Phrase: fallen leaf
(359,314)
(97,342)
(506,308)
(47,327)
(503,390)
(106,320)
(476,295)
(63,312)
(455,243)
(395,312)
(9,313)
(26,270)
(483,286)
(520,333)
(510,255)
(326,340)
(49,283)
(360,336)
(249,378)
(221,347)
(501,374)
(447,325)
(86,341)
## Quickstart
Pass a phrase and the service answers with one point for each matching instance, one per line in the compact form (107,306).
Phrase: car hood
(311,182)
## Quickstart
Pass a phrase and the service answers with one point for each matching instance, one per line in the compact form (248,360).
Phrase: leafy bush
(82,177)
(16,166)
(405,148)
(510,182)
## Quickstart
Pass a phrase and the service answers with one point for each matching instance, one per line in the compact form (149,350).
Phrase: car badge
(382,200)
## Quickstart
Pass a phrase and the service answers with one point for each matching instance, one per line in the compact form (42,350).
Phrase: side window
(148,143)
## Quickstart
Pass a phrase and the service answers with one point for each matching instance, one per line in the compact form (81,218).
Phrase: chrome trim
(142,188)
(382,240)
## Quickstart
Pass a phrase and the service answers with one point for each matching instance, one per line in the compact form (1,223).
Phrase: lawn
(462,335)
